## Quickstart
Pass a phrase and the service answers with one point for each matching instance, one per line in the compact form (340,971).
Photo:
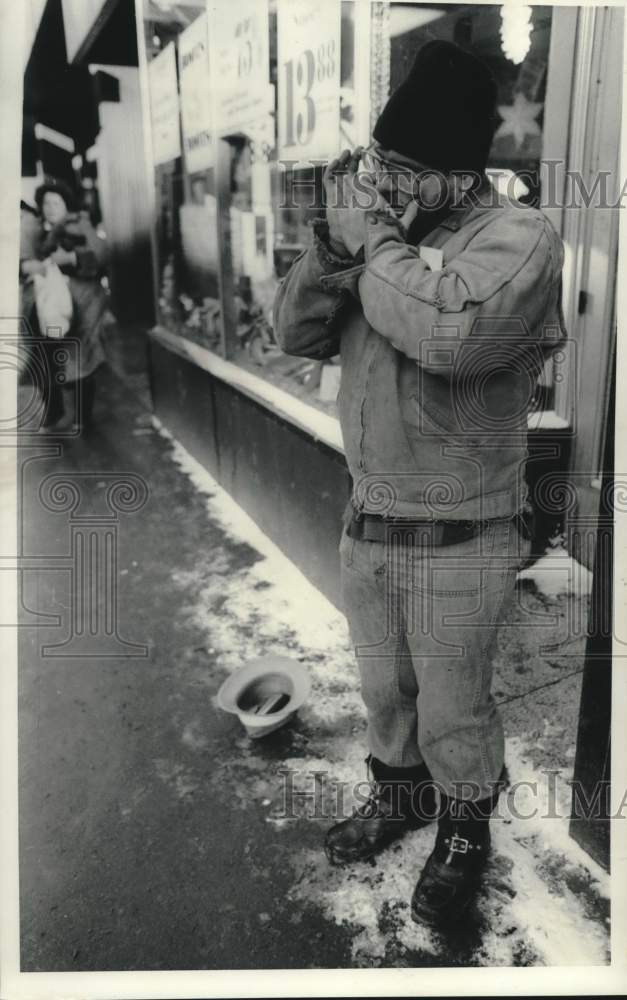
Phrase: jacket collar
(459,214)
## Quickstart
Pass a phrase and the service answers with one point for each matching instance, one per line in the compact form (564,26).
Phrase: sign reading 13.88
(309,79)
(300,109)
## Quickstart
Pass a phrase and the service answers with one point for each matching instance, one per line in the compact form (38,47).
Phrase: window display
(276,181)
(177,53)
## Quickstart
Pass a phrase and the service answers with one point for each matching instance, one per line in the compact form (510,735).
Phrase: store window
(276,184)
(177,52)
(245,106)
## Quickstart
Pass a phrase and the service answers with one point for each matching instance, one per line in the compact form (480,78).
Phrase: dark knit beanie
(443,114)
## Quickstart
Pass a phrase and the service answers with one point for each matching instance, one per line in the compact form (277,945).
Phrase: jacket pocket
(431,421)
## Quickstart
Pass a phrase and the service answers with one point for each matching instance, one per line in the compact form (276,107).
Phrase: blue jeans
(423,620)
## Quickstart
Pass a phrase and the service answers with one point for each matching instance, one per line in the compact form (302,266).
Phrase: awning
(56,94)
(100,31)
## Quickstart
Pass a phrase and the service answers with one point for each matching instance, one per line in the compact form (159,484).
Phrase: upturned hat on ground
(443,114)
(265,693)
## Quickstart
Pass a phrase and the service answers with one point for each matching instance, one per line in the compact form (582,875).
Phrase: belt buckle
(426,532)
(429,532)
(459,845)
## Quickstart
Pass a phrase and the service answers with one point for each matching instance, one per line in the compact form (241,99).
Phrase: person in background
(443,299)
(30,228)
(67,237)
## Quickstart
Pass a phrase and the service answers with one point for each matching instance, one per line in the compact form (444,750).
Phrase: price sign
(164,106)
(239,34)
(309,79)
(195,87)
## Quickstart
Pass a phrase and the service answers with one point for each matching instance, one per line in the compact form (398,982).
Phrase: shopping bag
(53,301)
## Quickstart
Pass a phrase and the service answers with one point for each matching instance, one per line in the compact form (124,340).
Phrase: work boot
(452,873)
(400,799)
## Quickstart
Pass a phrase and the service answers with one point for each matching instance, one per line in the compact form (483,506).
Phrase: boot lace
(377,804)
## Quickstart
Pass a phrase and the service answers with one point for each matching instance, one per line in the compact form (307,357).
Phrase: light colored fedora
(265,693)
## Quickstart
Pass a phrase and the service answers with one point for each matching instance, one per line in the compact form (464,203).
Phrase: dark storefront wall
(591,827)
(294,486)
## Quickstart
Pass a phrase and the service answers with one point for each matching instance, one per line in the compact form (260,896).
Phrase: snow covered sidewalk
(545,901)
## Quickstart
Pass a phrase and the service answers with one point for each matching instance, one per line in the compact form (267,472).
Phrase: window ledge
(321,426)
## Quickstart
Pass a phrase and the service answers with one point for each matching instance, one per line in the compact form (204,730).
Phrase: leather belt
(375,528)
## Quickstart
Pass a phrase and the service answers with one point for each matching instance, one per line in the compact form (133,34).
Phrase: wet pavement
(153,831)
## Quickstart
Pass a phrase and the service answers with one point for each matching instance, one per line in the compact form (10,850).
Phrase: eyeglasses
(374,163)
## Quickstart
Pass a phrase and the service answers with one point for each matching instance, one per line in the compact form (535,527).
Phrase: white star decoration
(519,119)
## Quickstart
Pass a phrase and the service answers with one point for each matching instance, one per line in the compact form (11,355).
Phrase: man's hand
(334,180)
(375,201)
(349,200)
(409,215)
(63,257)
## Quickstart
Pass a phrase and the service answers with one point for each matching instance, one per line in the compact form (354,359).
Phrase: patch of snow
(546,420)
(547,802)
(554,924)
(278,822)
(357,896)
(520,911)
(316,621)
(556,573)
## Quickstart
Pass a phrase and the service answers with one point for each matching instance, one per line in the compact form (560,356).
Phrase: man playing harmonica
(443,300)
